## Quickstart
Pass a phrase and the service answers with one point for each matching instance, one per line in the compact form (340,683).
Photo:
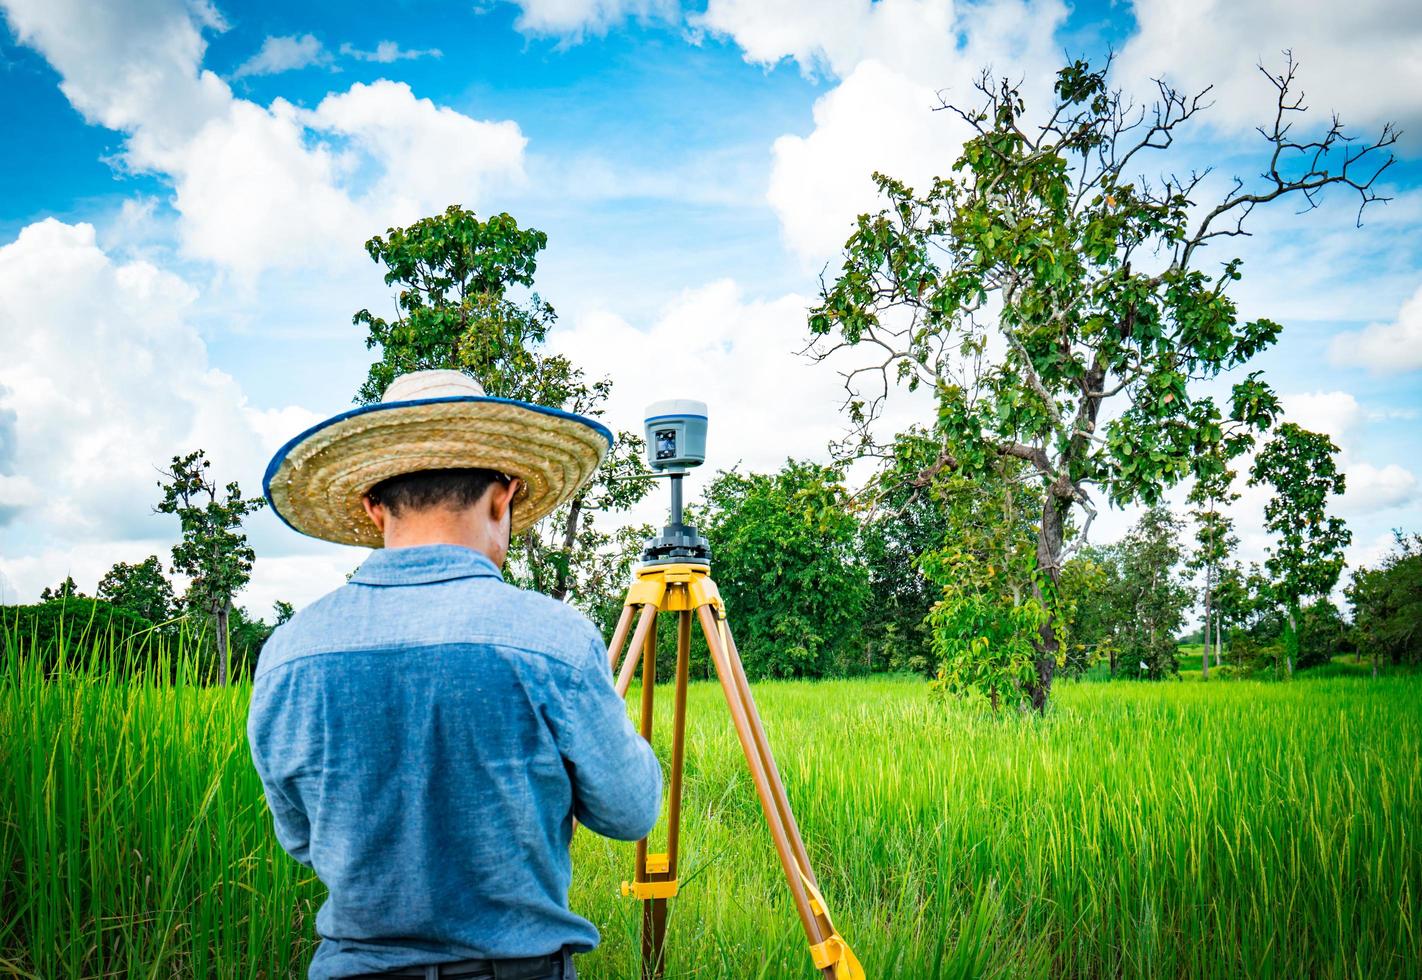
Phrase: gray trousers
(554,966)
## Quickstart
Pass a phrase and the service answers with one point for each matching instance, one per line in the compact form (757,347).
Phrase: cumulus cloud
(281,54)
(259,187)
(1370,487)
(573,19)
(1384,348)
(102,381)
(1359,59)
(894,59)
(741,356)
(387,52)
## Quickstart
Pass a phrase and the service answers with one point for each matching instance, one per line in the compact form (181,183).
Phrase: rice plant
(1140,830)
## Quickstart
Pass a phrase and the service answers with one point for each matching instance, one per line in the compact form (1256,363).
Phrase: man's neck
(442,527)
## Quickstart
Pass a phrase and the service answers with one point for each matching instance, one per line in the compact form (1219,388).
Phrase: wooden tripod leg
(777,785)
(789,861)
(634,651)
(619,636)
(654,912)
(683,672)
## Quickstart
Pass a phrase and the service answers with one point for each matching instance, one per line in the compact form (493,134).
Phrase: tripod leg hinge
(645,890)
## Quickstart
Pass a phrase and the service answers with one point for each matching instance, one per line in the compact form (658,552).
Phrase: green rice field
(1141,830)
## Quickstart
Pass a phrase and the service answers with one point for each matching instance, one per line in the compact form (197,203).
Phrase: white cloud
(573,19)
(258,187)
(387,52)
(425,153)
(1384,348)
(821,182)
(281,54)
(741,356)
(105,380)
(1372,488)
(894,58)
(1363,59)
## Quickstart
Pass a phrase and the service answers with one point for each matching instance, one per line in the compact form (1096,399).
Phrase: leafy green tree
(213,552)
(1387,604)
(1322,633)
(783,550)
(1090,594)
(67,589)
(453,272)
(1215,541)
(1307,556)
(1057,309)
(1154,598)
(140,588)
(905,520)
(283,611)
(1231,605)
(989,613)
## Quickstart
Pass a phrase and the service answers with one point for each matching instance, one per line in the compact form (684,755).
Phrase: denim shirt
(425,735)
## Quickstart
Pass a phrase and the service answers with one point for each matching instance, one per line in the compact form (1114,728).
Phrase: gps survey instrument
(675,577)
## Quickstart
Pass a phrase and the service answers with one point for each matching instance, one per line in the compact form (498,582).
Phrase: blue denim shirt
(426,735)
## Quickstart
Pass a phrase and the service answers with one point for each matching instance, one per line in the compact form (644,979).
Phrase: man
(426,734)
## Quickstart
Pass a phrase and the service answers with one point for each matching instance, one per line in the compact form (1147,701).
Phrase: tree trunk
(1291,642)
(222,613)
(1219,641)
(1205,647)
(570,538)
(535,572)
(1049,554)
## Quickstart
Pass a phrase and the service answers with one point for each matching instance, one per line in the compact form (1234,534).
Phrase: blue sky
(189,185)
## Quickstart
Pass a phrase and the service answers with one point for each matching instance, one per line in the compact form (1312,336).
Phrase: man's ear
(501,498)
(376,513)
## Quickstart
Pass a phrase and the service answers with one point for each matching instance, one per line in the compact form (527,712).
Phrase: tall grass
(1146,830)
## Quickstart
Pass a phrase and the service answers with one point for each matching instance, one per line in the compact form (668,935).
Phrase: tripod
(675,577)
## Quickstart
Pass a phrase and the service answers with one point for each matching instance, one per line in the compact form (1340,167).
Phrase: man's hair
(434,488)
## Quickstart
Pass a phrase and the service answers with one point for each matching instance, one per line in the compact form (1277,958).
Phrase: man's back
(426,735)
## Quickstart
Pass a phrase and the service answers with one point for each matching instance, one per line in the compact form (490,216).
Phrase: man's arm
(617,781)
(293,829)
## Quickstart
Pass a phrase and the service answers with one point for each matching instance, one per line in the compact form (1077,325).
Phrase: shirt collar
(424,564)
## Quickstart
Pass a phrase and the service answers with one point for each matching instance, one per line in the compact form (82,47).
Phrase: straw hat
(429,420)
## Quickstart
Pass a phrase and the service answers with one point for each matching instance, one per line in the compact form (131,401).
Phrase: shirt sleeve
(289,820)
(617,780)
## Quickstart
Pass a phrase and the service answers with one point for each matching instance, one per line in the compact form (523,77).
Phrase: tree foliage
(1387,604)
(141,588)
(783,549)
(1056,306)
(453,273)
(1307,556)
(213,552)
(68,589)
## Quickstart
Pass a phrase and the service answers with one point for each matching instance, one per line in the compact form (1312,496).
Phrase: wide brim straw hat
(429,420)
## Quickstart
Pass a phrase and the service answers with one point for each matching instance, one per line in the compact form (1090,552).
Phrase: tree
(452,312)
(282,611)
(213,552)
(1091,594)
(1214,543)
(141,588)
(1143,599)
(1058,310)
(783,548)
(903,522)
(1387,604)
(67,589)
(1307,557)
